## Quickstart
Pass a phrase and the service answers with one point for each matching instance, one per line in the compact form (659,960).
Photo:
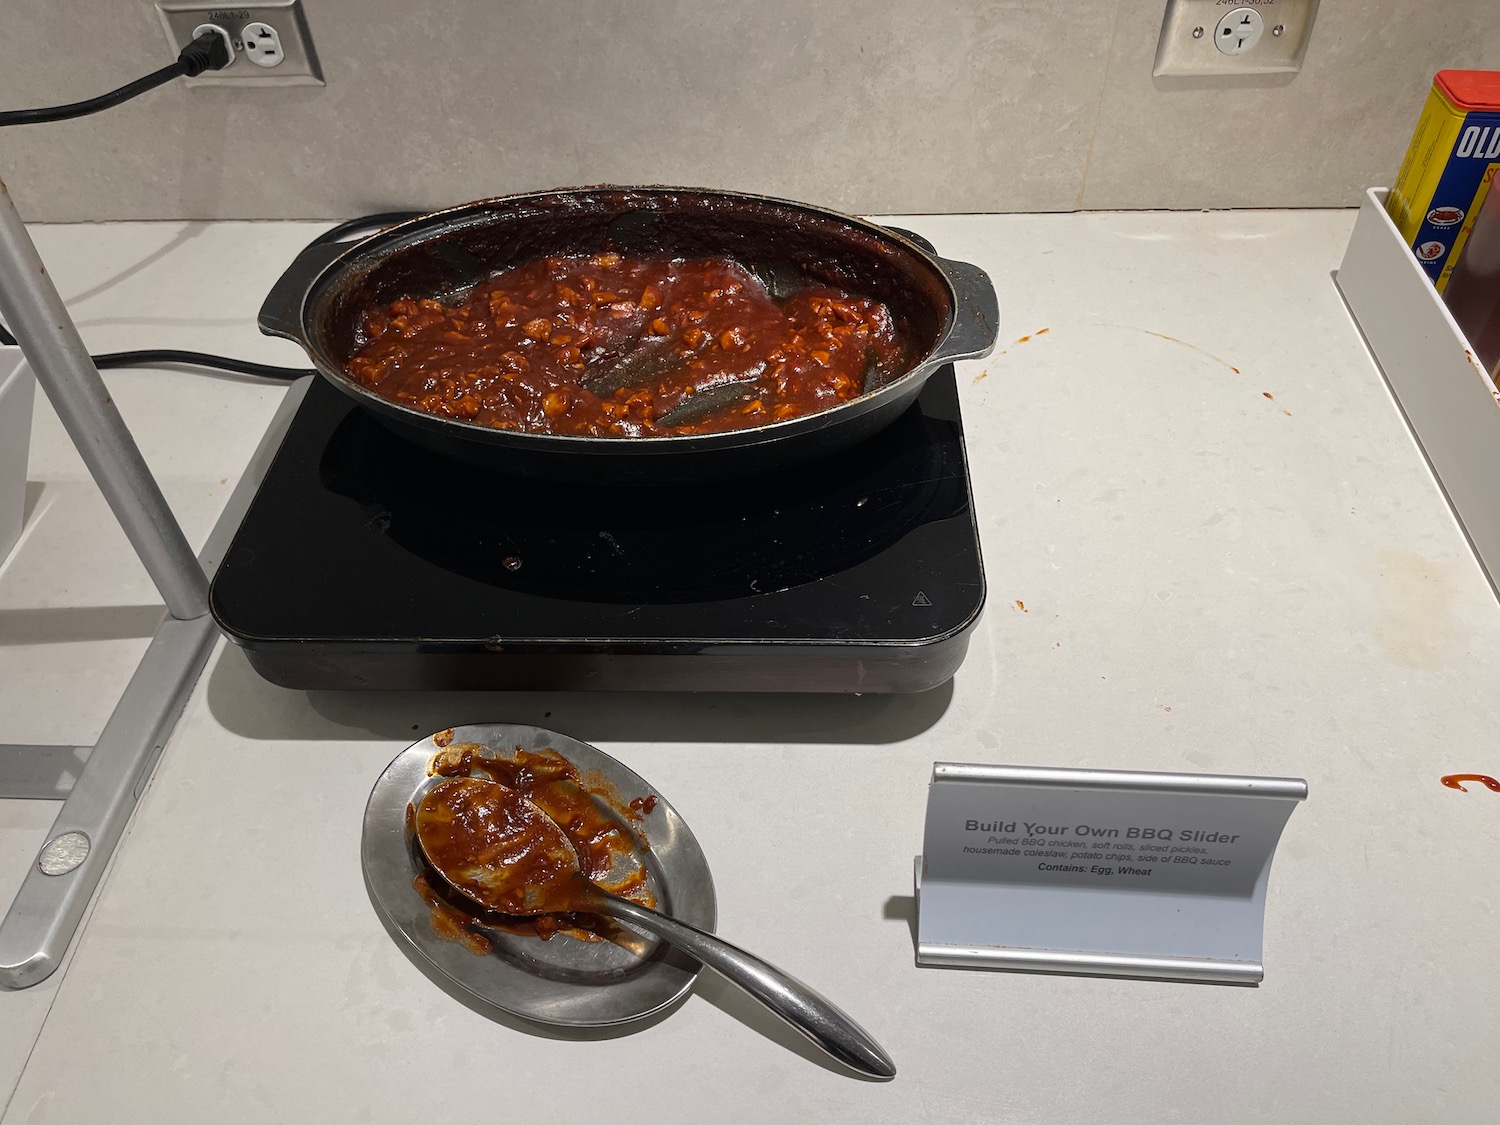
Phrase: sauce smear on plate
(595,820)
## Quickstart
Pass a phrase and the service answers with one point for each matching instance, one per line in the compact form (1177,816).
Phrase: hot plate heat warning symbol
(921,599)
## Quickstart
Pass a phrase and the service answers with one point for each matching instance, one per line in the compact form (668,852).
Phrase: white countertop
(1231,557)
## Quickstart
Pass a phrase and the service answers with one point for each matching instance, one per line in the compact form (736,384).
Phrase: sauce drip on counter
(606,346)
(593,818)
(1455,781)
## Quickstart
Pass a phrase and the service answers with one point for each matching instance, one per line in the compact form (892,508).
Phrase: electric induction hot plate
(365,562)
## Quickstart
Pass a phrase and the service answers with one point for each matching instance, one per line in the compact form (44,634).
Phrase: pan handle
(976,320)
(281,312)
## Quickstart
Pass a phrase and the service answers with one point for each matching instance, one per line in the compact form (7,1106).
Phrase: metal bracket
(56,891)
(47,909)
(40,773)
(100,786)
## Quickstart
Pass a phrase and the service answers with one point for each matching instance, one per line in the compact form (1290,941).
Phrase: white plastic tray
(17,388)
(1450,404)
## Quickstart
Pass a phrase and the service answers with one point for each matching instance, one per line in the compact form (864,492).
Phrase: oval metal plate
(562,981)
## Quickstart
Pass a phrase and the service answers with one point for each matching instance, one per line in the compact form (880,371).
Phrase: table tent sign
(1104,872)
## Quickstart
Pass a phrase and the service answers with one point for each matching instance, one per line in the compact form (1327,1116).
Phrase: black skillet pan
(947,309)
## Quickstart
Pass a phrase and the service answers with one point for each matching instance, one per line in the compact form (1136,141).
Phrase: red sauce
(1454,780)
(498,848)
(449,922)
(606,346)
(594,818)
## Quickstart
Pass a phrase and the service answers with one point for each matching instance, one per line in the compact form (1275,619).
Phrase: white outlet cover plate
(299,68)
(1179,53)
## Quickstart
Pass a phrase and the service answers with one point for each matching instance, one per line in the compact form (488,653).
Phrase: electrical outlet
(272,46)
(1239,31)
(1206,37)
(262,45)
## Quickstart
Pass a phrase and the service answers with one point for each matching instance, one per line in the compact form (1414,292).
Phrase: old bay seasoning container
(1449,168)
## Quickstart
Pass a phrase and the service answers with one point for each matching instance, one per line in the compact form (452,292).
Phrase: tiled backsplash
(889,106)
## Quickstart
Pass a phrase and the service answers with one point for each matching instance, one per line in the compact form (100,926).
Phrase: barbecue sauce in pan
(608,346)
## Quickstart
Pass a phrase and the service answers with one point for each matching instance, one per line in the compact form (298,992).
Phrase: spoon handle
(789,998)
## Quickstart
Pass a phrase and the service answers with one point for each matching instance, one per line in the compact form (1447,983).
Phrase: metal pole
(36,316)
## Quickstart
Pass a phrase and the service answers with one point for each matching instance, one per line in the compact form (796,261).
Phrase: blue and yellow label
(1444,179)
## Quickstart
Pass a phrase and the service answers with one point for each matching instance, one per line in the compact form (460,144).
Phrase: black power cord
(155,357)
(208,51)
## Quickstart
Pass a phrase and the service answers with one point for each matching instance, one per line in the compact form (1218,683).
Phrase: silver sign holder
(1105,872)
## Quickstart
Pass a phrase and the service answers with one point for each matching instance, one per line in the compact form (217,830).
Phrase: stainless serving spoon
(500,851)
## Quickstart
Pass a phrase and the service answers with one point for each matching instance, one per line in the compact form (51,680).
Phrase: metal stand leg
(47,909)
(57,889)
(39,321)
(40,773)
(35,933)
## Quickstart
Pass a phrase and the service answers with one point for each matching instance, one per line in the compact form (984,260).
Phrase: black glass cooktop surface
(367,562)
